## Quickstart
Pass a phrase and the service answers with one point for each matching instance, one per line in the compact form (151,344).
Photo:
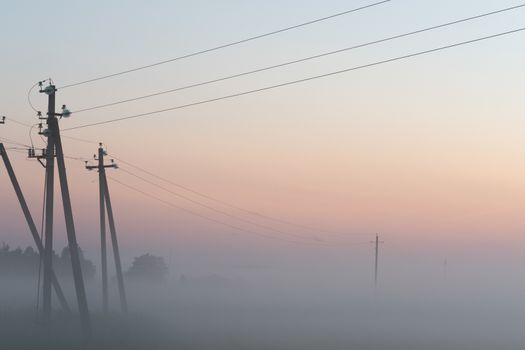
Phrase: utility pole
(50,192)
(32,226)
(30,222)
(54,150)
(376,267)
(105,205)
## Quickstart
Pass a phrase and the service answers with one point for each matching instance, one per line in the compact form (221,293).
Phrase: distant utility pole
(105,202)
(54,151)
(377,242)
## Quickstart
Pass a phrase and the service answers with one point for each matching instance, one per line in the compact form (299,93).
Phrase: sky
(426,151)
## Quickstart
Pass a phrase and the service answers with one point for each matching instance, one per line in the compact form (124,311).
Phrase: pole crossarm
(100,158)
(40,155)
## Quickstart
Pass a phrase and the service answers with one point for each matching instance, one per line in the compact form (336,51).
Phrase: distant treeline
(18,263)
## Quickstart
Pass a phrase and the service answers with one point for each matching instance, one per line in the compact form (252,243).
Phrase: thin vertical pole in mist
(376,262)
(170,260)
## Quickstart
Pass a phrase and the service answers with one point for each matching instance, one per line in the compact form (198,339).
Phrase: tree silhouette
(18,263)
(149,268)
(24,263)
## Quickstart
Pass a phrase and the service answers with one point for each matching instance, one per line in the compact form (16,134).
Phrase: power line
(237,228)
(293,82)
(81,159)
(209,207)
(25,125)
(224,45)
(19,149)
(233,206)
(63,136)
(26,148)
(13,142)
(18,122)
(258,70)
(29,97)
(318,242)
(80,140)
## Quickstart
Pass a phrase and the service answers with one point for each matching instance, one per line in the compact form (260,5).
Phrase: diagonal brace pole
(32,227)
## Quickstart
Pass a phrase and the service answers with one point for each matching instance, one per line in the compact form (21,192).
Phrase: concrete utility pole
(54,150)
(105,203)
(48,232)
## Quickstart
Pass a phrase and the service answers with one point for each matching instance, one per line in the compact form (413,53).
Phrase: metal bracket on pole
(39,155)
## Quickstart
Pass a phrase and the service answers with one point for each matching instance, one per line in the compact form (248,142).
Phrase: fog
(311,301)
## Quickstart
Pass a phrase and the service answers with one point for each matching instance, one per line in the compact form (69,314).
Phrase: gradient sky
(426,150)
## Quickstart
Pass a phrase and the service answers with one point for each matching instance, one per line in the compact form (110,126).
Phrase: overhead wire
(81,159)
(280,65)
(233,206)
(18,122)
(31,136)
(224,45)
(222,212)
(26,148)
(220,222)
(293,82)
(315,241)
(79,139)
(13,142)
(30,127)
(16,149)
(29,97)
(298,81)
(31,90)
